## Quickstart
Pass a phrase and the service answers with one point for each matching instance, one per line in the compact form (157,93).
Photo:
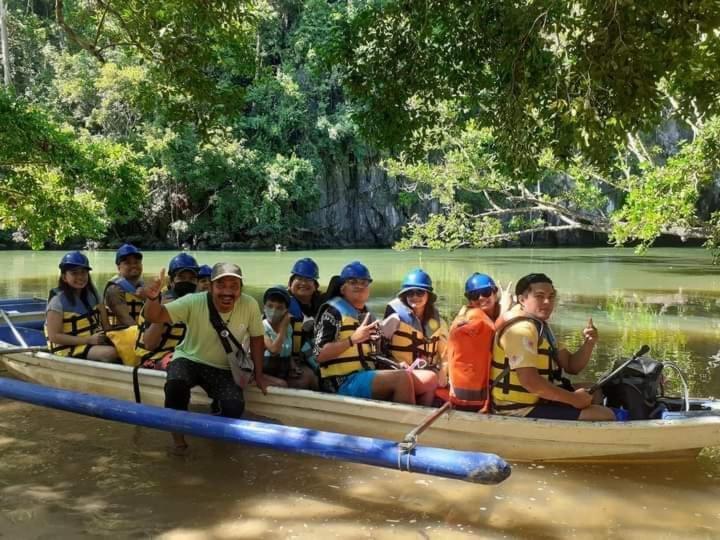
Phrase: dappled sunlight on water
(103,479)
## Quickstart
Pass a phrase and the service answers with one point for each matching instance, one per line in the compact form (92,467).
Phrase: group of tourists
(498,354)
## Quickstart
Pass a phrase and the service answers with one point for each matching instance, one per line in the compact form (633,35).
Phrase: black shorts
(217,383)
(276,366)
(554,411)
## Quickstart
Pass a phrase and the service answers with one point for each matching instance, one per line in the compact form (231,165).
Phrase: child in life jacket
(280,366)
(470,343)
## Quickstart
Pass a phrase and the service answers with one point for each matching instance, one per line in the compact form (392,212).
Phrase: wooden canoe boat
(23,309)
(515,439)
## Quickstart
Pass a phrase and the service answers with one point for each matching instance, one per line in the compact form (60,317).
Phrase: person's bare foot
(179,450)
(180,445)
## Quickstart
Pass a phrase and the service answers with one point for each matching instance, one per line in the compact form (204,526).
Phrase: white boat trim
(24,316)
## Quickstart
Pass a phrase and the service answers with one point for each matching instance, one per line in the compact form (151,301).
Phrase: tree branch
(99,28)
(77,39)
(568,216)
(133,39)
(507,211)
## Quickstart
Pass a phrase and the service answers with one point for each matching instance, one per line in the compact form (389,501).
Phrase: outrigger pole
(477,467)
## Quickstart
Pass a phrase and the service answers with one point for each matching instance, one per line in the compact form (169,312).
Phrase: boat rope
(136,383)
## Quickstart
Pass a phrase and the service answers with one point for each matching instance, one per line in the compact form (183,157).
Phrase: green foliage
(56,185)
(455,162)
(664,197)
(222,187)
(199,55)
(543,74)
(278,112)
(217,108)
(453,230)
(29,42)
(215,120)
(713,241)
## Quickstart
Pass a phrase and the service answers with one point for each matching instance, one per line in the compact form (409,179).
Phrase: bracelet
(350,341)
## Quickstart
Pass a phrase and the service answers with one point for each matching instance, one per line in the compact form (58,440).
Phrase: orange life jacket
(469,359)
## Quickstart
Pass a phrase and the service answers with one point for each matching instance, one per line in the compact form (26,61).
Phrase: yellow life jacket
(352,359)
(506,384)
(124,342)
(134,302)
(297,318)
(171,337)
(78,320)
(409,340)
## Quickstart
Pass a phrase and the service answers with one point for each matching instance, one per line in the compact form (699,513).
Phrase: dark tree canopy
(544,74)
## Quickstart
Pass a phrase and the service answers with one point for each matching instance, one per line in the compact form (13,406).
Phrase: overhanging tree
(534,116)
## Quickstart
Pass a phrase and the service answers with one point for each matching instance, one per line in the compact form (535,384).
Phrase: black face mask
(184,287)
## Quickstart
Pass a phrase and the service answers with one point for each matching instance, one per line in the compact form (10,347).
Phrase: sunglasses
(416,292)
(485,293)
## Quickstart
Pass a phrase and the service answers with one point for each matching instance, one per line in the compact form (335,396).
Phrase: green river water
(66,476)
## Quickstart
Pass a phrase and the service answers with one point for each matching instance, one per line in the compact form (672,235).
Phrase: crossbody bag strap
(223,332)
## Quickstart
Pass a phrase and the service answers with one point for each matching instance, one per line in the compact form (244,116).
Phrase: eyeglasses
(362,283)
(485,293)
(416,292)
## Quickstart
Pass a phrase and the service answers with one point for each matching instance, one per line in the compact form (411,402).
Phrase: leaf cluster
(572,77)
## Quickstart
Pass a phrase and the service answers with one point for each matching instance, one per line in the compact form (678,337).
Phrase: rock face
(358,207)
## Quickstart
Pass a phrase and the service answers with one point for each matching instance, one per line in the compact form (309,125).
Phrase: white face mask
(274,315)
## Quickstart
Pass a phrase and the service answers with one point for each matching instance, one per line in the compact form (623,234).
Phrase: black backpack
(636,388)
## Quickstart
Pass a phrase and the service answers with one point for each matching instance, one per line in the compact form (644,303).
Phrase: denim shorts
(359,384)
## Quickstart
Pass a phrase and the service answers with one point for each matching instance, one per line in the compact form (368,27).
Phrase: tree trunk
(4,42)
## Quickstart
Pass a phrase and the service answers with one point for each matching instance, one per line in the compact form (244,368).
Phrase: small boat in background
(680,435)
(23,309)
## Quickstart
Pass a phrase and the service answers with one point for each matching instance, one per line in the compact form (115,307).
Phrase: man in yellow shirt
(528,365)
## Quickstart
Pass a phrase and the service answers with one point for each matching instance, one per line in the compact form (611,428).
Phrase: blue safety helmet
(306,268)
(74,258)
(355,270)
(204,271)
(479,282)
(416,279)
(125,251)
(182,261)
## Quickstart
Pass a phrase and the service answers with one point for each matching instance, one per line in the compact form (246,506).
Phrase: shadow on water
(105,479)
